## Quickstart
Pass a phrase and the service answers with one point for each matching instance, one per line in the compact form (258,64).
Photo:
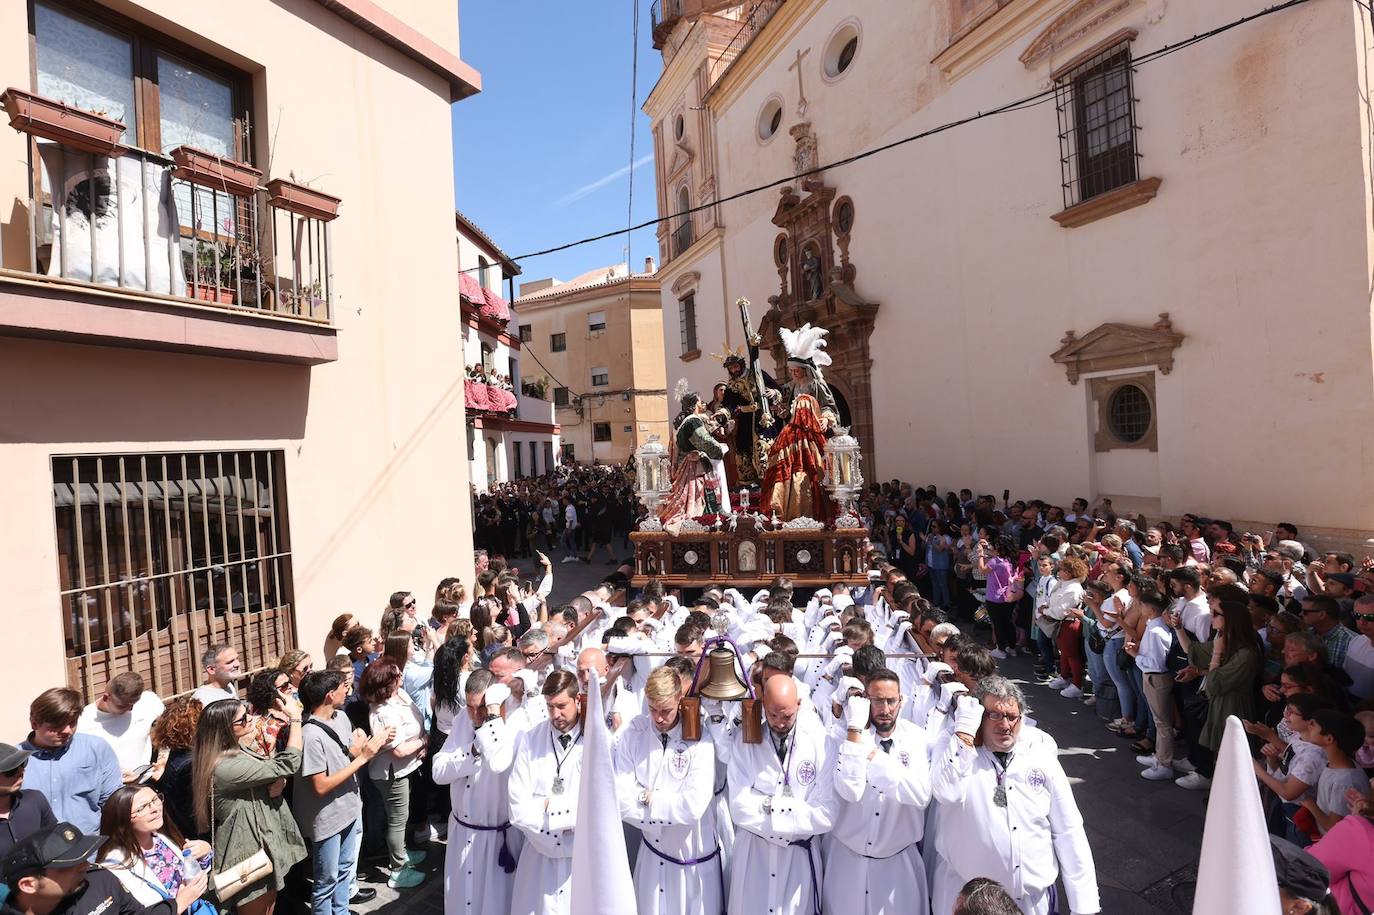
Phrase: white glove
(843,655)
(845,685)
(903,626)
(529,680)
(496,694)
(624,644)
(841,601)
(968,716)
(933,671)
(829,620)
(856,712)
(949,690)
(901,615)
(653,622)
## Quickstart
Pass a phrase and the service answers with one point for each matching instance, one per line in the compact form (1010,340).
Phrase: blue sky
(541,155)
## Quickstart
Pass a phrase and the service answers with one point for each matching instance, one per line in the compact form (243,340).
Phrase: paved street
(1145,836)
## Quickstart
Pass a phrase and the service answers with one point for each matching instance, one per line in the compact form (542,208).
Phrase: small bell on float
(722,677)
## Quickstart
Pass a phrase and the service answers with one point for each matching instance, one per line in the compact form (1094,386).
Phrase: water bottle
(190,867)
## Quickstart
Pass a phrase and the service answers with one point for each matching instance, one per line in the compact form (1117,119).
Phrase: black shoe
(363,894)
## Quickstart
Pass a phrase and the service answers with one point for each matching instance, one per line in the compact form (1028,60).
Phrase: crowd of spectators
(581,511)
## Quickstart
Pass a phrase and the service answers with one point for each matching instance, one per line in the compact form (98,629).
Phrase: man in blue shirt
(76,772)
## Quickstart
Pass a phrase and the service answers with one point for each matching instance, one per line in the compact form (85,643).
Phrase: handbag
(228,881)
(1097,642)
(1016,588)
(1124,660)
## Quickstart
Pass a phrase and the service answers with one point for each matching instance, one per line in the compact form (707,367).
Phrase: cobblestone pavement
(1145,836)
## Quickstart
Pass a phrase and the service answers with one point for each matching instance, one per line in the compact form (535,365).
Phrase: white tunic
(543,881)
(872,864)
(770,875)
(1016,845)
(678,823)
(476,767)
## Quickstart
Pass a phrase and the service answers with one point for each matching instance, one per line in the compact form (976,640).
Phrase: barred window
(687,315)
(526,333)
(569,453)
(558,342)
(601,432)
(1129,413)
(560,397)
(1097,129)
(161,555)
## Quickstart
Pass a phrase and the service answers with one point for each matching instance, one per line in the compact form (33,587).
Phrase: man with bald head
(781,801)
(621,705)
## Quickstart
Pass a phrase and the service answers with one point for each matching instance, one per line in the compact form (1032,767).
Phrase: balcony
(665,14)
(682,238)
(534,410)
(187,252)
(753,18)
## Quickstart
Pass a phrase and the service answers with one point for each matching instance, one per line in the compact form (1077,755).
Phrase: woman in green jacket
(1231,664)
(238,796)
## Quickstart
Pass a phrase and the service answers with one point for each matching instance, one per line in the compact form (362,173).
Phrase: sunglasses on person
(1367,617)
(408,605)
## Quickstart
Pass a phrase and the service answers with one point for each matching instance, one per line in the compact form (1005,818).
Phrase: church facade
(1141,273)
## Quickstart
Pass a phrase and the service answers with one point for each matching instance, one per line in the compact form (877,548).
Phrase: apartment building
(227,324)
(598,339)
(511,429)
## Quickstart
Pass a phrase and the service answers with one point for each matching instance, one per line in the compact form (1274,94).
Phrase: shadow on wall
(63,392)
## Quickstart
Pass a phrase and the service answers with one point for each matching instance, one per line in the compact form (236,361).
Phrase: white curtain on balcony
(113,220)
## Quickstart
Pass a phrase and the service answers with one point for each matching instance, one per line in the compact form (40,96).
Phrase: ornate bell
(722,679)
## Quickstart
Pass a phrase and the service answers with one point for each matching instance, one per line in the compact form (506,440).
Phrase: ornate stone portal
(816,278)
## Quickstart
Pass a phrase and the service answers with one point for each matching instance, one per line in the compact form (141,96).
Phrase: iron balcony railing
(135,222)
(682,238)
(755,17)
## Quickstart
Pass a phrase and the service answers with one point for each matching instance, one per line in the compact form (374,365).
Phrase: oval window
(1129,413)
(770,118)
(841,51)
(679,127)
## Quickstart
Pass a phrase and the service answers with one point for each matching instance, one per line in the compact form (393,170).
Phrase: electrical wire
(1021,104)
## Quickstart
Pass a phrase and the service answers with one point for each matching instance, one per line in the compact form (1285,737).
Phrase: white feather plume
(681,390)
(807,342)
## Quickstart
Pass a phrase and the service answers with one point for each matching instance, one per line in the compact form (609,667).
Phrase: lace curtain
(85,65)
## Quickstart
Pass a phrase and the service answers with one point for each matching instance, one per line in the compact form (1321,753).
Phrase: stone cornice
(995,31)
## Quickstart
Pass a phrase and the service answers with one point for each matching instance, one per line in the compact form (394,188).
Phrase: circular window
(844,216)
(679,127)
(770,118)
(1129,413)
(841,50)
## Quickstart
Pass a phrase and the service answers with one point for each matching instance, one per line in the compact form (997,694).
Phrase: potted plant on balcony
(301,200)
(216,172)
(73,127)
(219,281)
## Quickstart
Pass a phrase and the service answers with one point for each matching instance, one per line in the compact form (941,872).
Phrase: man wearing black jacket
(22,813)
(49,873)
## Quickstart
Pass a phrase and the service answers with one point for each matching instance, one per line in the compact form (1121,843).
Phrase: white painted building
(511,429)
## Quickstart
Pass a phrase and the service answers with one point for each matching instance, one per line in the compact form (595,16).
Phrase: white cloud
(599,183)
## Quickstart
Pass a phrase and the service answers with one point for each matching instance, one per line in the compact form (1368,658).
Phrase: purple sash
(504,858)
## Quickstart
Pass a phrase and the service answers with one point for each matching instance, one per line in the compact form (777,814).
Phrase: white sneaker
(1057,683)
(1148,762)
(999,654)
(1158,773)
(1090,700)
(568,559)
(1072,692)
(1182,765)
(1194,781)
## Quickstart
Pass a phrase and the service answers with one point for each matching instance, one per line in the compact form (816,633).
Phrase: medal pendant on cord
(786,790)
(999,796)
(558,788)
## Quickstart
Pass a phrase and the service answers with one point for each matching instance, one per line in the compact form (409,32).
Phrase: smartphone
(1006,494)
(143,775)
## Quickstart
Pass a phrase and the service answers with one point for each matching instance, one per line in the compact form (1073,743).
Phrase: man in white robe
(665,785)
(1006,808)
(475,762)
(882,782)
(544,783)
(782,802)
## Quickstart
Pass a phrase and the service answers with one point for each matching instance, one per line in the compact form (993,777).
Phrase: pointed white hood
(1236,871)
(601,883)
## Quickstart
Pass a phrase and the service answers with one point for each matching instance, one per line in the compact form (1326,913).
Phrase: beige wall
(375,442)
(1258,246)
(630,347)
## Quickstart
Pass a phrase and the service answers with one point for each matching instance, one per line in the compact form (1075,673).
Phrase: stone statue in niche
(651,564)
(812,281)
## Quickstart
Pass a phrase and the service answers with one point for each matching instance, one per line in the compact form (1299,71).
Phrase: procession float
(763,483)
